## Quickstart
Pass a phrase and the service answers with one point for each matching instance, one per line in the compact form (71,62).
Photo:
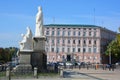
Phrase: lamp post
(110,55)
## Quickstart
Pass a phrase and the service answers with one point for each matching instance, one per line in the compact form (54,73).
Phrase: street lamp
(110,55)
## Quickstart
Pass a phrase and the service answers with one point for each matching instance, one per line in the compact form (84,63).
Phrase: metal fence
(26,73)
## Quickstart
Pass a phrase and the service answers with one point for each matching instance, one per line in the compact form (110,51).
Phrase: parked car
(117,63)
(60,63)
(78,63)
(68,64)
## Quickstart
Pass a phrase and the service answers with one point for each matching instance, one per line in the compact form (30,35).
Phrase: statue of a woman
(26,43)
(39,23)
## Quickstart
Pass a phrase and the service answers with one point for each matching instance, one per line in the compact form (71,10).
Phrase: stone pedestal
(39,56)
(25,57)
(39,43)
(25,62)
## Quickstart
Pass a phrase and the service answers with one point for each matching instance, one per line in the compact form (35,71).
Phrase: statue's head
(28,28)
(22,35)
(39,8)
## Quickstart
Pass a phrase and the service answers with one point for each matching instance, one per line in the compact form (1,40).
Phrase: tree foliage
(6,54)
(114,48)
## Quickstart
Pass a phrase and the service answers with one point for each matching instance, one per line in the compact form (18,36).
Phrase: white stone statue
(26,43)
(39,23)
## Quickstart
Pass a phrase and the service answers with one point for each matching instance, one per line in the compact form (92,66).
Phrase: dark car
(60,63)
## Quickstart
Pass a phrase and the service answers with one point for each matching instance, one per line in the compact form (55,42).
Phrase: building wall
(77,42)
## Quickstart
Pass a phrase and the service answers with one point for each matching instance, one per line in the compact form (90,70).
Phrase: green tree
(114,49)
(6,54)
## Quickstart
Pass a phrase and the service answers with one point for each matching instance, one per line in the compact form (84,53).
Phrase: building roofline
(76,26)
(71,25)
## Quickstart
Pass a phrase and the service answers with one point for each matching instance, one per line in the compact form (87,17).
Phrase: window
(94,34)
(57,50)
(73,49)
(89,28)
(84,33)
(52,50)
(68,33)
(52,33)
(73,41)
(63,41)
(95,42)
(84,28)
(68,41)
(58,41)
(58,33)
(84,50)
(47,33)
(79,33)
(68,49)
(74,33)
(78,41)
(89,41)
(84,42)
(89,50)
(63,50)
(94,50)
(47,41)
(52,41)
(63,33)
(90,34)
(78,49)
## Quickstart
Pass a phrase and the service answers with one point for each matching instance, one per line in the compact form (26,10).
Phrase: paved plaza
(92,74)
(83,74)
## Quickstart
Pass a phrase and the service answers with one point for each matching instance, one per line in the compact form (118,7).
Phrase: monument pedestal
(39,56)
(32,49)
(25,62)
(39,43)
(25,57)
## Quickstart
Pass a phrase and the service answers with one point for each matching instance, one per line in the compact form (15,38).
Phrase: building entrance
(68,57)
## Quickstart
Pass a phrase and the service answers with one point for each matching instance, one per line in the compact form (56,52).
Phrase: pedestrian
(103,66)
(79,67)
(87,66)
(109,66)
(113,67)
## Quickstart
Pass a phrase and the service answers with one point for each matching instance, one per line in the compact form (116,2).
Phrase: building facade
(83,43)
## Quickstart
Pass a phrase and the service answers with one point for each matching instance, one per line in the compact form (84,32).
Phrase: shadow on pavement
(70,74)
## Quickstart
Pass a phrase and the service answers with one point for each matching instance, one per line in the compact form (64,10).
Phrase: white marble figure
(26,43)
(39,23)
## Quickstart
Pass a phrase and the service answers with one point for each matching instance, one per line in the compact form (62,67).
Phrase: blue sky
(16,15)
